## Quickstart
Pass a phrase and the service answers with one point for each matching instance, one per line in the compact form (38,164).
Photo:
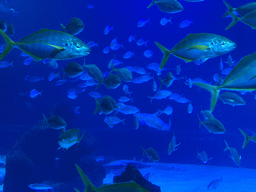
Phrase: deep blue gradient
(123,141)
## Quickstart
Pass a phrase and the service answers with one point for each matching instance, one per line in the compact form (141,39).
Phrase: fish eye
(223,43)
(78,45)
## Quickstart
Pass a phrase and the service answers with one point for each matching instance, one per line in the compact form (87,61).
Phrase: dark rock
(32,160)
(131,173)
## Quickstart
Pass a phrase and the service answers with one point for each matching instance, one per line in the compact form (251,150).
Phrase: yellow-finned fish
(241,78)
(117,187)
(198,47)
(48,44)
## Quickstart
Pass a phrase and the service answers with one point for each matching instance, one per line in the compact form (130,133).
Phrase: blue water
(19,113)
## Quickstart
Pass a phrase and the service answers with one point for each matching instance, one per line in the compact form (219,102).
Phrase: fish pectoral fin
(199,47)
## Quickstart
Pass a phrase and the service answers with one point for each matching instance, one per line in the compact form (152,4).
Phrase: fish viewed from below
(198,47)
(48,44)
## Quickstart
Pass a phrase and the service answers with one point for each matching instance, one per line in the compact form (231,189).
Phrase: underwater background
(19,112)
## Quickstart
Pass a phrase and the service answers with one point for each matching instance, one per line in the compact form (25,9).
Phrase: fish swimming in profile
(55,122)
(198,47)
(74,26)
(241,78)
(234,154)
(151,154)
(231,99)
(48,44)
(112,81)
(69,138)
(117,187)
(73,69)
(213,125)
(214,184)
(247,138)
(106,105)
(167,6)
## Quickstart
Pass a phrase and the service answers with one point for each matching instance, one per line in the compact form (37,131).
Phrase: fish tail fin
(45,120)
(63,27)
(162,82)
(9,44)
(80,140)
(97,106)
(166,53)
(151,4)
(151,99)
(113,68)
(123,121)
(88,184)
(214,90)
(227,147)
(200,122)
(98,84)
(246,138)
(234,21)
(230,9)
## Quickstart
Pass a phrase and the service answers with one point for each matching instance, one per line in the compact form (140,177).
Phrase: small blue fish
(185,23)
(126,90)
(106,50)
(77,110)
(95,94)
(33,93)
(28,61)
(108,29)
(91,44)
(72,95)
(142,22)
(141,42)
(53,76)
(164,21)
(125,99)
(131,38)
(190,108)
(60,82)
(114,45)
(34,79)
(4,64)
(90,6)
(128,55)
(148,53)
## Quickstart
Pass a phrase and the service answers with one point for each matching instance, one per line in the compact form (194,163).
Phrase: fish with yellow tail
(47,44)
(241,78)
(117,187)
(198,47)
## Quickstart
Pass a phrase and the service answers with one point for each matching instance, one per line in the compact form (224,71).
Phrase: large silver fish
(241,78)
(198,47)
(48,44)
